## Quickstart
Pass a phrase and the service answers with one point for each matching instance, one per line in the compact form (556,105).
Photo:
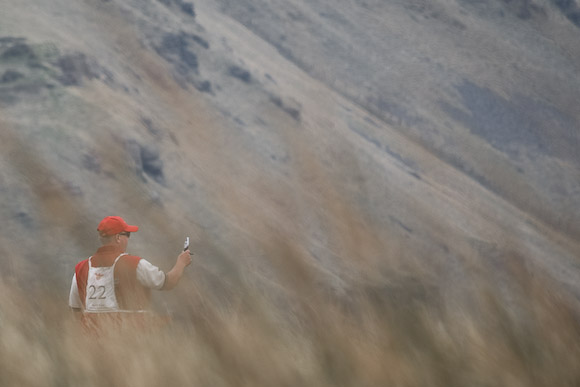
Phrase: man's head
(113,230)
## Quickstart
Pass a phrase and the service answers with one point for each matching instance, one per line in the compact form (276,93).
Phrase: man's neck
(111,247)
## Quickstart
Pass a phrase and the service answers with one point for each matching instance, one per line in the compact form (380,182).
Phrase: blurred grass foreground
(402,333)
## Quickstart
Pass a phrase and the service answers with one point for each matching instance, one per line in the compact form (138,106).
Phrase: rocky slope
(350,132)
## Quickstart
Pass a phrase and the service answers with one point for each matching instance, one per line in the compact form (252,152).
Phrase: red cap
(112,225)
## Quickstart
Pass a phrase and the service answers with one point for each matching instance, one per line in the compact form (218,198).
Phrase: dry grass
(391,323)
(301,334)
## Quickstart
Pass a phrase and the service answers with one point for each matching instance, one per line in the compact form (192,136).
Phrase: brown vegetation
(402,333)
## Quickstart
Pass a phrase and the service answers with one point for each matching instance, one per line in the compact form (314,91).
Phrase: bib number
(96,293)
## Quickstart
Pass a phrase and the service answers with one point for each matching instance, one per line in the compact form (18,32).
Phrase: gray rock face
(518,125)
(406,74)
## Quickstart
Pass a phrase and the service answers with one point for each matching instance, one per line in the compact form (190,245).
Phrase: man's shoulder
(81,264)
(132,260)
(81,269)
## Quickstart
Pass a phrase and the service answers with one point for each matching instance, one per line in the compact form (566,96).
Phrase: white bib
(101,289)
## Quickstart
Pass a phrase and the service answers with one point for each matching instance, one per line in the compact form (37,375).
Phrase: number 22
(93,290)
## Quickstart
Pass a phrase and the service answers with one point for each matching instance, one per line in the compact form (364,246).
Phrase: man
(113,283)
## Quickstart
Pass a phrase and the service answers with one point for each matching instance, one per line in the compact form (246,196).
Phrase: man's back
(130,293)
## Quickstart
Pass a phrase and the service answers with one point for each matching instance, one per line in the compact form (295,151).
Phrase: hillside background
(402,149)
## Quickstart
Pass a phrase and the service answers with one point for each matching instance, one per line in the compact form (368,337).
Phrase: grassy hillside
(378,192)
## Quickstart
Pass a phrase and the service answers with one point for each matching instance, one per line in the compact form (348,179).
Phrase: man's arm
(74,299)
(173,276)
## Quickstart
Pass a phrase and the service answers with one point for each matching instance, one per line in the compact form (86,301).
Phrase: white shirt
(148,275)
